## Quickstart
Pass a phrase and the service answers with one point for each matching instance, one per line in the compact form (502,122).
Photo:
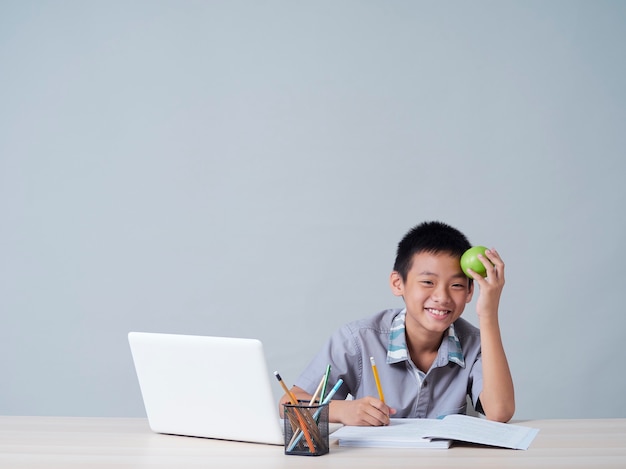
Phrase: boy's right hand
(367,411)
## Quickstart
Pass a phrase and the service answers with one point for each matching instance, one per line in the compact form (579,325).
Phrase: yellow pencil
(381,396)
(297,434)
(290,395)
(294,401)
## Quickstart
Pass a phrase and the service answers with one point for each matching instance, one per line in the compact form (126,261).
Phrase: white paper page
(398,432)
(403,428)
(481,431)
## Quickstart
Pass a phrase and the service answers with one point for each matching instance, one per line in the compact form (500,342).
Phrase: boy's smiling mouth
(440,313)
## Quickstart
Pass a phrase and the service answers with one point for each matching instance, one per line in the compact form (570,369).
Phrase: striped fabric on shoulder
(396,350)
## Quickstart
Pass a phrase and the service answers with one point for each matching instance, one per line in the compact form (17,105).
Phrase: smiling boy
(429,359)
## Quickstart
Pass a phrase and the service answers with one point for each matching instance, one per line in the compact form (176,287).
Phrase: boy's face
(435,292)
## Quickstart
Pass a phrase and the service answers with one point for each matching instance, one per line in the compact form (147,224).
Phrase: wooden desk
(71,442)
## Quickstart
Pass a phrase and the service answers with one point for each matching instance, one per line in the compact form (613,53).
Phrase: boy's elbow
(498,406)
(502,414)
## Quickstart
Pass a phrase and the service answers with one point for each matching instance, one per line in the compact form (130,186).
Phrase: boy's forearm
(498,395)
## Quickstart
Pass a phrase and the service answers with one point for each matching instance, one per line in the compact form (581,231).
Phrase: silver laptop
(212,387)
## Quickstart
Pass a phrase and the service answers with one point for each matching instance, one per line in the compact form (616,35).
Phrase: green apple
(469,260)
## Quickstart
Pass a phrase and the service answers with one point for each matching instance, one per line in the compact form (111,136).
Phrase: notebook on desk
(211,387)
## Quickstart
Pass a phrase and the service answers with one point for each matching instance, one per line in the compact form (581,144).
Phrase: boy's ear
(470,293)
(396,283)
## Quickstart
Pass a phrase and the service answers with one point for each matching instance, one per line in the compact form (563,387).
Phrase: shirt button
(424,384)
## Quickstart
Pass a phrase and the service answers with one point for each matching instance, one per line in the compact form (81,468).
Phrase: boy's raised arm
(497,397)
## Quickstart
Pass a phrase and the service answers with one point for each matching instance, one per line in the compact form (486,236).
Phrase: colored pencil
(326,376)
(301,422)
(298,435)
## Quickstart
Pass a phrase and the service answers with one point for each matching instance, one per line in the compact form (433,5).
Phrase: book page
(399,433)
(417,433)
(481,431)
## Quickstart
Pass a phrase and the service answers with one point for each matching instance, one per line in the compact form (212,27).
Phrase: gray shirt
(455,373)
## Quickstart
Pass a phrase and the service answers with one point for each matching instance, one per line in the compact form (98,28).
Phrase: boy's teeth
(437,312)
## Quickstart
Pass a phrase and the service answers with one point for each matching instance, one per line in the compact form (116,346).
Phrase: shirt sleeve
(342,352)
(476,377)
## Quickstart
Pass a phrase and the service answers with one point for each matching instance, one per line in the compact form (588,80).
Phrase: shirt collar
(397,350)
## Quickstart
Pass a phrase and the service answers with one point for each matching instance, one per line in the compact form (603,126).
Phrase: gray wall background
(247,169)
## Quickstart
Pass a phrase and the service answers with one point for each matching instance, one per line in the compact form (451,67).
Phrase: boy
(428,358)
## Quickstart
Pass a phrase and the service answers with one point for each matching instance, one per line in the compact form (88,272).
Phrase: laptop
(211,387)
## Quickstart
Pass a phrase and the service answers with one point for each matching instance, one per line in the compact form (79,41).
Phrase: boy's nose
(441,295)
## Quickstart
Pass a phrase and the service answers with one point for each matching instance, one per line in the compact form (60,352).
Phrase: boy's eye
(426,282)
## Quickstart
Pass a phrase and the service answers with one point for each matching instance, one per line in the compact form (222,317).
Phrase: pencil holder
(306,429)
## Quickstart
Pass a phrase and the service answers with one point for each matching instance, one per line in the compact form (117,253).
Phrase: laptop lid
(212,387)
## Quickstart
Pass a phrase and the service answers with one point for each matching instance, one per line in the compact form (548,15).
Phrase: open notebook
(212,387)
(438,433)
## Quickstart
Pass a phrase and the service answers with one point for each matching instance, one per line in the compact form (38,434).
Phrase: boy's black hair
(434,237)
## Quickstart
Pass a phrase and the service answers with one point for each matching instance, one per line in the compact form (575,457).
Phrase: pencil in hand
(381,396)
